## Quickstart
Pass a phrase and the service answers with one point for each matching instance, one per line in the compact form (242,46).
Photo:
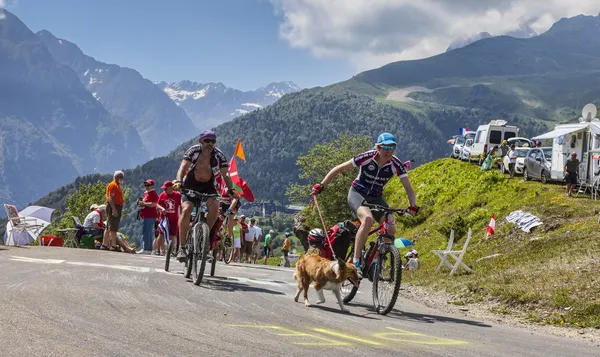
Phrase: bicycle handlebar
(196,194)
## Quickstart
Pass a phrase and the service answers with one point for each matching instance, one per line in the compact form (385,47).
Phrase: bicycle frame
(201,210)
(381,233)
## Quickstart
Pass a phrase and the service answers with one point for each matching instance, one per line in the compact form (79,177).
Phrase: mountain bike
(198,242)
(381,263)
(171,252)
(226,242)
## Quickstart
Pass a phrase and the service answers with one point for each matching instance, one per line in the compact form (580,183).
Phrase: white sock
(355,260)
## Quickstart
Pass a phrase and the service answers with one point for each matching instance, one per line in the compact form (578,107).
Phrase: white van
(489,135)
(457,149)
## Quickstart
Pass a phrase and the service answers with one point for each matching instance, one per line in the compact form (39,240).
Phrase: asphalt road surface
(72,302)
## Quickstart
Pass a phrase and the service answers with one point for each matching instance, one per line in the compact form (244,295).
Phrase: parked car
(521,154)
(459,144)
(520,142)
(538,164)
(489,135)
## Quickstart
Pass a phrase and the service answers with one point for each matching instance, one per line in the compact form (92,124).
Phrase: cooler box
(53,241)
(88,242)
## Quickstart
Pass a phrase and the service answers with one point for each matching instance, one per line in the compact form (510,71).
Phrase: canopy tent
(38,218)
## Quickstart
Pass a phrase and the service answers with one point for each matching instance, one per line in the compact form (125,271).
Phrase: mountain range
(533,83)
(211,104)
(51,127)
(524,31)
(68,114)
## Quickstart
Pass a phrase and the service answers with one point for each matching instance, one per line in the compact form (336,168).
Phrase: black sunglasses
(210,141)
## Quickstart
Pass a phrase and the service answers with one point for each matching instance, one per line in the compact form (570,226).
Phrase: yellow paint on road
(392,338)
(347,336)
(415,337)
(286,332)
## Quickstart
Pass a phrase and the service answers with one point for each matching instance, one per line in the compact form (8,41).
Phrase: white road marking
(34,260)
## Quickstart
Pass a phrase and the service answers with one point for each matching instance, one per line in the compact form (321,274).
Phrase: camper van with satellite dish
(583,138)
(487,136)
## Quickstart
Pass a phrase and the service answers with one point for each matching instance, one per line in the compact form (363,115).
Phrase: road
(74,302)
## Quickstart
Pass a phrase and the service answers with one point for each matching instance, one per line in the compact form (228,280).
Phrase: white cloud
(371,33)
(2,16)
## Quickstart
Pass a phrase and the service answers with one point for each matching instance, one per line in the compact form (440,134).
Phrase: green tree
(79,202)
(313,168)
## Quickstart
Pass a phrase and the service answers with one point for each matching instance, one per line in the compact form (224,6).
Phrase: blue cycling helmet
(386,139)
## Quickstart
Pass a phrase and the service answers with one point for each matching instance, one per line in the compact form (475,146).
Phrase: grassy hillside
(548,275)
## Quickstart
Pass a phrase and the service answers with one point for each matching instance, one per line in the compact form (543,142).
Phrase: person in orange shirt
(114,210)
(286,249)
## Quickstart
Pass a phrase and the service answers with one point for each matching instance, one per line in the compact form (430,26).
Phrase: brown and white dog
(325,274)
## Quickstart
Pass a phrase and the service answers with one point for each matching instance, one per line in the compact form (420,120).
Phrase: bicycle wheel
(190,250)
(348,289)
(201,245)
(170,249)
(213,264)
(386,279)
(228,251)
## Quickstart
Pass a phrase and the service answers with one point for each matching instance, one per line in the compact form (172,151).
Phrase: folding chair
(461,253)
(19,223)
(442,253)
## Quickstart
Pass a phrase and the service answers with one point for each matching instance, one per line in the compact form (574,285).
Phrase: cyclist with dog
(376,168)
(199,169)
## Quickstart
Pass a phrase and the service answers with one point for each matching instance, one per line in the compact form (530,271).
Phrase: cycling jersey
(217,162)
(371,178)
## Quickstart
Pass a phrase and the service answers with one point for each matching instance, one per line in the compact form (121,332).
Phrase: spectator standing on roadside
(169,204)
(571,173)
(256,242)
(114,209)
(503,152)
(286,249)
(267,247)
(149,215)
(249,240)
(242,238)
(512,160)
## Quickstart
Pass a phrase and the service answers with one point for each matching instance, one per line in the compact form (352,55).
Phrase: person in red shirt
(169,202)
(149,215)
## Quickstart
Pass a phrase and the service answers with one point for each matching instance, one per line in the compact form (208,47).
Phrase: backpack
(340,236)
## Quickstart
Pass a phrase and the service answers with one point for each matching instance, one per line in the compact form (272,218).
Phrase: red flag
(491,227)
(238,183)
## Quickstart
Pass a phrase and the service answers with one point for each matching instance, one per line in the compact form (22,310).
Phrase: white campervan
(489,135)
(581,138)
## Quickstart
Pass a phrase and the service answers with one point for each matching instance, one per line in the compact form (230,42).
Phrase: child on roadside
(412,263)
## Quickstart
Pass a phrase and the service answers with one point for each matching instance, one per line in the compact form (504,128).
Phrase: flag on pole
(164,227)
(239,151)
(463,131)
(491,227)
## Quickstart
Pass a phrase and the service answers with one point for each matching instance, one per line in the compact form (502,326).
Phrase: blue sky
(236,42)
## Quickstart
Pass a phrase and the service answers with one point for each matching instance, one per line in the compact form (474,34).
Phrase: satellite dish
(589,112)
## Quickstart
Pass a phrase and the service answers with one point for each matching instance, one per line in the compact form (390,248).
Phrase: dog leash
(324,227)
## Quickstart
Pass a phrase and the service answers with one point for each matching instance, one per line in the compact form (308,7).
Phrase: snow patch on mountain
(252,105)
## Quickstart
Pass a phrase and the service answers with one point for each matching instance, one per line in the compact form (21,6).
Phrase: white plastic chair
(442,253)
(458,256)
